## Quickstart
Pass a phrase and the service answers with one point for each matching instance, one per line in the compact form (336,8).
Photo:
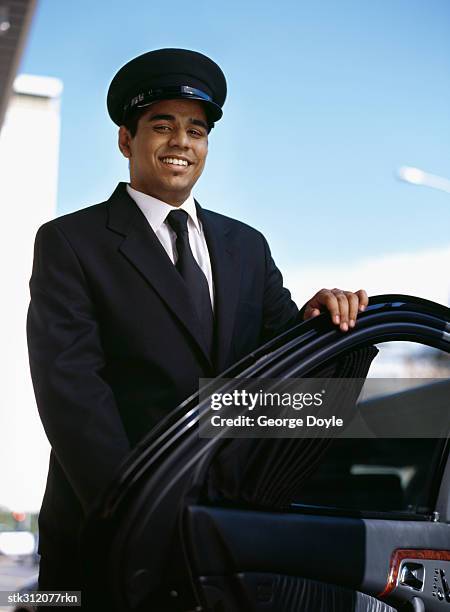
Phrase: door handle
(412,575)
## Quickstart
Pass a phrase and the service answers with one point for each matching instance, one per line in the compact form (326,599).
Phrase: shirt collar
(156,211)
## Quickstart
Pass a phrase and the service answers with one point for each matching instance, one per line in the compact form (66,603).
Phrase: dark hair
(132,120)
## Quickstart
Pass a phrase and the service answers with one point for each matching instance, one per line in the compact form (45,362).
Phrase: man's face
(168,152)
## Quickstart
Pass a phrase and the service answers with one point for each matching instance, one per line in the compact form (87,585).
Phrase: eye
(196,133)
(162,128)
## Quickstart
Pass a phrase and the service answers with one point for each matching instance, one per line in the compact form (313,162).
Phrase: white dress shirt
(156,211)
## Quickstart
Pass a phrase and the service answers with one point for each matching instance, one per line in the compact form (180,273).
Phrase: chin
(178,186)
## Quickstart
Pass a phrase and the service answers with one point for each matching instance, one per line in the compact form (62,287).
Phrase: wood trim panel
(410,553)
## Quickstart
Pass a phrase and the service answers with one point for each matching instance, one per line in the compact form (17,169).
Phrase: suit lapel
(144,251)
(226,268)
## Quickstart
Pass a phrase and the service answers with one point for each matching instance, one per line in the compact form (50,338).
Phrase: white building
(29,153)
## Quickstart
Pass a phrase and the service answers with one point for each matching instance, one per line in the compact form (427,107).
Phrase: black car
(306,524)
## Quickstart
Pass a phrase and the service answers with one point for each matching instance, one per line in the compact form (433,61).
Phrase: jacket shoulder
(86,216)
(233,225)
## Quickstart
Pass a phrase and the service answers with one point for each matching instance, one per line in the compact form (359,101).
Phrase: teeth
(175,161)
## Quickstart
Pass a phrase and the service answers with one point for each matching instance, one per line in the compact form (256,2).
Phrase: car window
(391,474)
(266,471)
(409,360)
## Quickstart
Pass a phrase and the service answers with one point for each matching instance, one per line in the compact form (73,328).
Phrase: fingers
(326,300)
(353,305)
(310,313)
(363,299)
(343,306)
(344,309)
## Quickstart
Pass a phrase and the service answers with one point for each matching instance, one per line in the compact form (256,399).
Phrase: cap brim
(214,111)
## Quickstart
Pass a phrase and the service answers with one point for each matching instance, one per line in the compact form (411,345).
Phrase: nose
(179,138)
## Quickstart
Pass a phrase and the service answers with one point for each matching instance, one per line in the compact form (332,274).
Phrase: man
(134,299)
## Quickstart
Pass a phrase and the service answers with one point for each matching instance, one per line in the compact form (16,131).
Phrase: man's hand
(343,306)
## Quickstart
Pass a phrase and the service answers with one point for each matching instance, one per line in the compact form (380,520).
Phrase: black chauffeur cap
(166,74)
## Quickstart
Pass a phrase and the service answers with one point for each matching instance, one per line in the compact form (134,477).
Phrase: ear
(124,141)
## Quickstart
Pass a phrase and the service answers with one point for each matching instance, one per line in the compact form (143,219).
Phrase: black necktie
(193,276)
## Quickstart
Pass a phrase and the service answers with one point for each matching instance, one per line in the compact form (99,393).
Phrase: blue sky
(325,101)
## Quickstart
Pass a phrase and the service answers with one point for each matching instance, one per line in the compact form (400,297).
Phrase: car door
(324,523)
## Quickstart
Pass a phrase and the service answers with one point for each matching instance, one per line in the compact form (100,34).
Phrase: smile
(175,161)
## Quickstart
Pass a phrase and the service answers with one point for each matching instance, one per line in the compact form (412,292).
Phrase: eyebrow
(161,117)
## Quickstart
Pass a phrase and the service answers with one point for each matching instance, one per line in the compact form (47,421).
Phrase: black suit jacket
(115,344)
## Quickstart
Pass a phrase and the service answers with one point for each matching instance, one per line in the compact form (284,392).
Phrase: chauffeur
(136,298)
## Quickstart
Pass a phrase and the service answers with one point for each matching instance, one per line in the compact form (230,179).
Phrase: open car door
(222,524)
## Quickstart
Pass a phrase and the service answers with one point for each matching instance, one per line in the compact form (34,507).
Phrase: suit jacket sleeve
(76,406)
(279,310)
